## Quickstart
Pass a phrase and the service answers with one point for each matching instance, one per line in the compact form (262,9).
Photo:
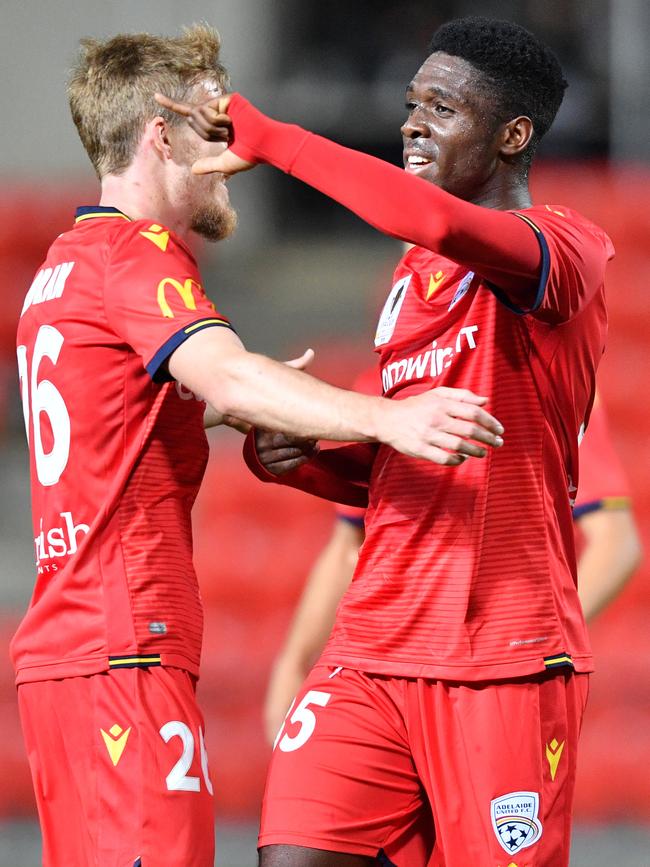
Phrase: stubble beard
(214,222)
(214,218)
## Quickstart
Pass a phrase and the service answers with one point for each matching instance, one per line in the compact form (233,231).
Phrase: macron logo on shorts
(115,739)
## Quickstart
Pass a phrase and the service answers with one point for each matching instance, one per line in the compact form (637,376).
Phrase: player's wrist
(260,138)
(382,420)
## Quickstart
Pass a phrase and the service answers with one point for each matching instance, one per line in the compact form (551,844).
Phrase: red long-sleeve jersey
(467,573)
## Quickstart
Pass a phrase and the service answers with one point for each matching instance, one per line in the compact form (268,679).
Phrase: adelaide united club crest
(514,820)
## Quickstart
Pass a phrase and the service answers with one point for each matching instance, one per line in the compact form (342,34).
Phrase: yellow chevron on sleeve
(203,322)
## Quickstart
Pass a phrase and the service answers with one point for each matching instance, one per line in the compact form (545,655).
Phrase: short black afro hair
(522,73)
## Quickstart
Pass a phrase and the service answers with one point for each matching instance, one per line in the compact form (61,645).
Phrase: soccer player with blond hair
(119,349)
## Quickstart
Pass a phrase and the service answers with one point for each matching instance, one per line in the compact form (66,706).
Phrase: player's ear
(516,135)
(158,132)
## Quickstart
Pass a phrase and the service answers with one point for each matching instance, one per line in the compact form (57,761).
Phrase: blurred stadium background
(302,272)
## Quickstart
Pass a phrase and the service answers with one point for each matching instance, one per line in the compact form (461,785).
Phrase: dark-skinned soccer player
(440,724)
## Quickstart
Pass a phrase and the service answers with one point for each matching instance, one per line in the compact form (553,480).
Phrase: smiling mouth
(414,162)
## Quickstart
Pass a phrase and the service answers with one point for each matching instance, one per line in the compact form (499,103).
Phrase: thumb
(223,102)
(227,163)
(304,361)
(207,165)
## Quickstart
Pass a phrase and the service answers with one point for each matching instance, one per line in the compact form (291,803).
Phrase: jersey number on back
(43,398)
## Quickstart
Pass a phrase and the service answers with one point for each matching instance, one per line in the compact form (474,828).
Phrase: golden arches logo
(185,290)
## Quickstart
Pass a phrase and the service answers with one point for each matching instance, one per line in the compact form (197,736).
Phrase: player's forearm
(493,243)
(273,396)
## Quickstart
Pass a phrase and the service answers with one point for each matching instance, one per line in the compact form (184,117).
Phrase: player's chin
(215,224)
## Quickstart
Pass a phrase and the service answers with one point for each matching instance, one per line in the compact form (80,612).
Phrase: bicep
(198,359)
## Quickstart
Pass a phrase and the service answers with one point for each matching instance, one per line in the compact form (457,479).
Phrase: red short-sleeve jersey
(469,572)
(117,450)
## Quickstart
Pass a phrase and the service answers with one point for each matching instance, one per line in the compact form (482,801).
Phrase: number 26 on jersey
(41,397)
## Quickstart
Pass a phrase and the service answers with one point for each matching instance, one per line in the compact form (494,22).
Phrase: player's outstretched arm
(496,244)
(312,621)
(212,418)
(443,425)
(611,555)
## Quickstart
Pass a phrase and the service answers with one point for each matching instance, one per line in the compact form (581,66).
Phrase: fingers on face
(179,107)
(207,119)
(207,129)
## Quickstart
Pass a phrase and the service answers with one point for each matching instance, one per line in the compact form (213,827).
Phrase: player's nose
(414,127)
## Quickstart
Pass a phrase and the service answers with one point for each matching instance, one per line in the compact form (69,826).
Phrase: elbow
(236,385)
(224,395)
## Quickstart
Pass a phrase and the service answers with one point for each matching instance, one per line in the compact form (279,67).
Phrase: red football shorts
(120,769)
(424,772)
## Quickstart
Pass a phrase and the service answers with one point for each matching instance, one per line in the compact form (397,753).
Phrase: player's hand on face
(444,425)
(210,121)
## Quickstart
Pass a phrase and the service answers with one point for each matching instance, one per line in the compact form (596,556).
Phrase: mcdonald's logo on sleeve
(185,291)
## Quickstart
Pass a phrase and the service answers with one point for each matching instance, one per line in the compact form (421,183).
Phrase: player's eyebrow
(440,92)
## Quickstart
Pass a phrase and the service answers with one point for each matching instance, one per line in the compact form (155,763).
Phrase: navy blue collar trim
(88,212)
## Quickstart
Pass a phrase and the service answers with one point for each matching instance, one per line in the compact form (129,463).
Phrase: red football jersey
(367,382)
(603,484)
(117,450)
(469,572)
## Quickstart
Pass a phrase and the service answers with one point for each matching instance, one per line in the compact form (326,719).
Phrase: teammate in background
(117,347)
(454,682)
(606,537)
(314,617)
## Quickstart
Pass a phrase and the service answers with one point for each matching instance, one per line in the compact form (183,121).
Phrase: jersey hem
(96,665)
(277,838)
(459,672)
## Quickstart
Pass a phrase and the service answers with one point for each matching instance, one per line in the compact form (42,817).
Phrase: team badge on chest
(515,822)
(392,307)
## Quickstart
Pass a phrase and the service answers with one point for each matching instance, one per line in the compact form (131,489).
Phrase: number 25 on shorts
(303,715)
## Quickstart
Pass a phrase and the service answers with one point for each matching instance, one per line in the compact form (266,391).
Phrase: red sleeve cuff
(258,138)
(334,474)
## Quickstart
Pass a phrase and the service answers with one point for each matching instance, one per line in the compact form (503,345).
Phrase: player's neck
(504,193)
(142,198)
